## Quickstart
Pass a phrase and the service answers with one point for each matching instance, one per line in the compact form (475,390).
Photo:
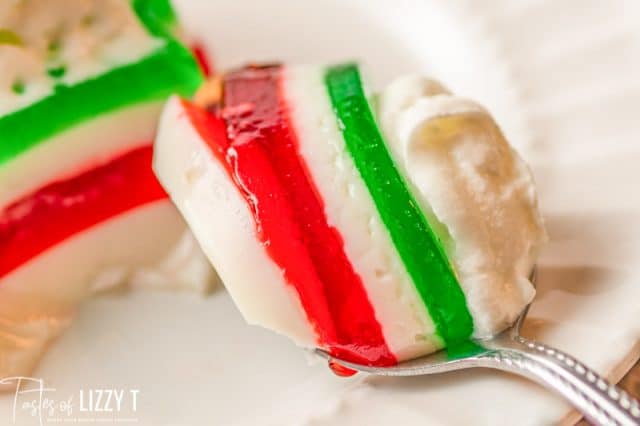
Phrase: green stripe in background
(169,69)
(157,16)
(416,243)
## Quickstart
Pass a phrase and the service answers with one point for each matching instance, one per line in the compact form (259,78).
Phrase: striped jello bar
(81,89)
(378,228)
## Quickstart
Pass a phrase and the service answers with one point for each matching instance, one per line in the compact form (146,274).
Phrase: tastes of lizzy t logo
(35,403)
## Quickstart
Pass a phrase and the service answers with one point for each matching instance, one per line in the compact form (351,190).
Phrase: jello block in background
(81,89)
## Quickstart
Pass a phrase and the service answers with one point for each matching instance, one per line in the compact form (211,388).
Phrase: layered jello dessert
(379,227)
(82,83)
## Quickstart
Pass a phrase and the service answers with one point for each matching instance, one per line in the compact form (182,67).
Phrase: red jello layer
(253,138)
(204,62)
(62,209)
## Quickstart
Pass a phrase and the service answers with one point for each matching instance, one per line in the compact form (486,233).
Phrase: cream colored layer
(77,149)
(406,324)
(38,300)
(467,176)
(223,224)
(87,37)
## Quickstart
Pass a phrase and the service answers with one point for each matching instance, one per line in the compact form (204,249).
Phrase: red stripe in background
(262,157)
(200,53)
(61,209)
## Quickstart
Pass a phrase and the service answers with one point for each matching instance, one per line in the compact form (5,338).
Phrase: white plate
(560,76)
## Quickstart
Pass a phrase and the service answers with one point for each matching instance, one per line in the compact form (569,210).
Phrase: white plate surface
(561,77)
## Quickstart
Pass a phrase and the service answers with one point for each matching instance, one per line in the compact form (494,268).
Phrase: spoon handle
(600,401)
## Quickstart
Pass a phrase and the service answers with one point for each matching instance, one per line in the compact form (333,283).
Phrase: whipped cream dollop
(476,191)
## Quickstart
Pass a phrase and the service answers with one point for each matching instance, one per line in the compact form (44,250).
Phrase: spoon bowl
(600,402)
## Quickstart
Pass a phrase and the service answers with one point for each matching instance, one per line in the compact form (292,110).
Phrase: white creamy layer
(406,324)
(223,224)
(80,148)
(38,300)
(86,37)
(467,176)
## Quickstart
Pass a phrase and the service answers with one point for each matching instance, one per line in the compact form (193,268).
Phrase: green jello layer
(419,248)
(169,69)
(157,15)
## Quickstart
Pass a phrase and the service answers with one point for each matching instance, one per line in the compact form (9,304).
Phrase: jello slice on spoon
(81,89)
(378,228)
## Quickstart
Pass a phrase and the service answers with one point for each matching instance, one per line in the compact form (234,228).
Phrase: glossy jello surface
(262,158)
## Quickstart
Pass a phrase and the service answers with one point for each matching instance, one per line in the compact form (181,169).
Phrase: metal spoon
(598,400)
